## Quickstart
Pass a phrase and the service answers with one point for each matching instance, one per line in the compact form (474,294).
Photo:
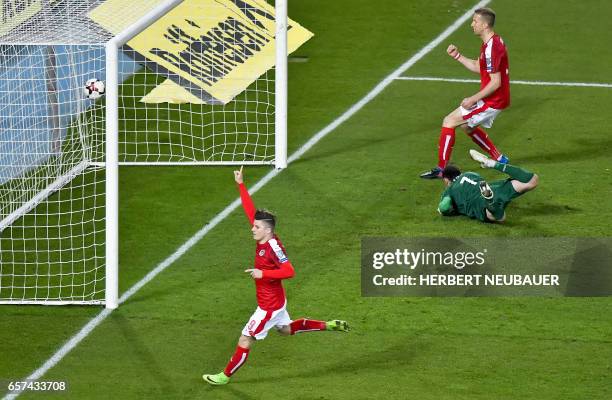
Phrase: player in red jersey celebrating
(271,267)
(481,108)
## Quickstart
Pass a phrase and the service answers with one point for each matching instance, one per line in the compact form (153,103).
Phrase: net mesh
(51,195)
(240,131)
(55,22)
(52,137)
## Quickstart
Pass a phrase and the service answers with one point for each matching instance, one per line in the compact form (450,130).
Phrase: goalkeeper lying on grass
(469,194)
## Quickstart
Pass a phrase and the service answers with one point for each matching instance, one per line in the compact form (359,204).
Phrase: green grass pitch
(362,180)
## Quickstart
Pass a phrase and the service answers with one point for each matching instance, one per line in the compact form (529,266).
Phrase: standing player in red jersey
(271,267)
(484,106)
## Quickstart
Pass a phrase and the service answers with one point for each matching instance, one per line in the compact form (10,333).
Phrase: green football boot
(337,325)
(218,379)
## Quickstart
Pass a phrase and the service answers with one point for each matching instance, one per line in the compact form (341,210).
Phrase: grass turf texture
(361,180)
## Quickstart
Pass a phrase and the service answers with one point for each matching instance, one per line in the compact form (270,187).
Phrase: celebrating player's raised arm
(247,202)
(468,63)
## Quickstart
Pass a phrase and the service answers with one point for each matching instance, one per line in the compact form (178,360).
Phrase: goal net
(186,82)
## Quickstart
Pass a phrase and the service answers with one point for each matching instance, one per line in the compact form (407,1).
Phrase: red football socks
(237,361)
(481,138)
(445,146)
(306,325)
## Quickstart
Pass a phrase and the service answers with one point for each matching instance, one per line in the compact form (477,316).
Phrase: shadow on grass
(582,149)
(540,209)
(590,273)
(384,359)
(235,392)
(356,144)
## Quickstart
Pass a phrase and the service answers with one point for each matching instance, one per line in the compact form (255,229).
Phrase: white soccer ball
(94,89)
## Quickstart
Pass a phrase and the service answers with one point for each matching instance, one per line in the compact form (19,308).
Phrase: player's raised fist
(238,176)
(452,50)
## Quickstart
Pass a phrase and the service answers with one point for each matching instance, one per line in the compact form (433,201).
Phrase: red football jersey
(494,58)
(271,259)
(270,292)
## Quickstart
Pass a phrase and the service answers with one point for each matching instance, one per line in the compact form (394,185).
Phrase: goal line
(513,82)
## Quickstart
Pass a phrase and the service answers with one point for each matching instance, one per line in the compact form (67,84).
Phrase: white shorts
(479,114)
(262,321)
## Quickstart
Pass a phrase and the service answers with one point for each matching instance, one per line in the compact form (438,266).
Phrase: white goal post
(60,151)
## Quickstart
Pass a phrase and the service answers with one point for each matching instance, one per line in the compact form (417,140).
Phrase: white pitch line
(91,325)
(533,83)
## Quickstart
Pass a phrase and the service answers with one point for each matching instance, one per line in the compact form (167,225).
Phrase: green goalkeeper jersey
(465,195)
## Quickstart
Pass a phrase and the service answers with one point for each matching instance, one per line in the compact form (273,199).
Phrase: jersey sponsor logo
(262,252)
(280,254)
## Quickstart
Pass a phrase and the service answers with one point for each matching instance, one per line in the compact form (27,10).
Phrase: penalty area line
(93,323)
(512,82)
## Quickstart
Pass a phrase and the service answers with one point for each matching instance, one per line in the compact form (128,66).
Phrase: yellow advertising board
(212,48)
